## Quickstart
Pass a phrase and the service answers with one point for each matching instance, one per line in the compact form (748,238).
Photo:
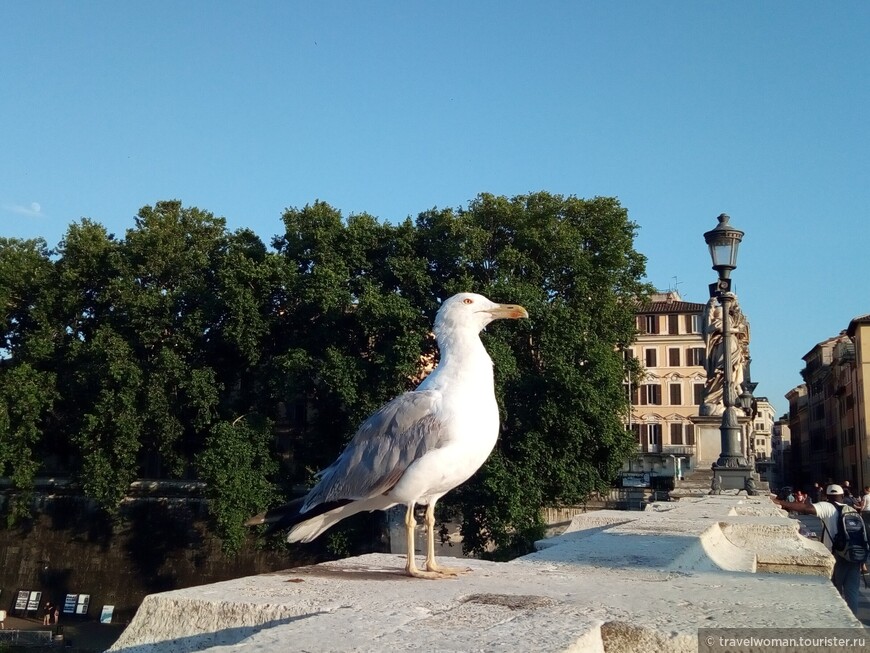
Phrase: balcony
(679,449)
(668,449)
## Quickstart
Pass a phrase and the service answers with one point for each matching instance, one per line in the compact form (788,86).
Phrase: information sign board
(106,614)
(82,603)
(21,600)
(33,601)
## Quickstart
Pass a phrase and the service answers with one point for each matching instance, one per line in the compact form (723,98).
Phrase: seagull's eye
(467,301)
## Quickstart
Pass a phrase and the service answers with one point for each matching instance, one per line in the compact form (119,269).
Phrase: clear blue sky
(682,110)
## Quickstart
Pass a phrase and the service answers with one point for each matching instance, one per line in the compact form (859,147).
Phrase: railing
(673,449)
(684,449)
(25,637)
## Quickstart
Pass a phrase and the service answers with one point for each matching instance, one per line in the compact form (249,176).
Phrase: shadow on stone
(225,637)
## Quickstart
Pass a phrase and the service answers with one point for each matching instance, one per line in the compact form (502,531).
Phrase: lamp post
(723,242)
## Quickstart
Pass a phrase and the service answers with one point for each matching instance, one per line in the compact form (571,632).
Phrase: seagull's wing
(383,448)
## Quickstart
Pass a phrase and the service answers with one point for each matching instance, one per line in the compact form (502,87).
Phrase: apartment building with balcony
(828,412)
(781,472)
(761,437)
(670,347)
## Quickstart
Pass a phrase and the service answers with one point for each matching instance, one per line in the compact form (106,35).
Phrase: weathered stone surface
(616,585)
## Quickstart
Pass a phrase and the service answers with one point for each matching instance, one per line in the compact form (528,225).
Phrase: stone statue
(750,486)
(716,485)
(714,361)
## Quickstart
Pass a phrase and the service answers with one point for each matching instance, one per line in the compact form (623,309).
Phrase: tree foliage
(183,350)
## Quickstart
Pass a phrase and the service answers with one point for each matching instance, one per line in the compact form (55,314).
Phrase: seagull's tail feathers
(289,515)
(305,526)
(318,519)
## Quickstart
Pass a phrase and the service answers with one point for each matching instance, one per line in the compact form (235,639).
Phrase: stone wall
(158,544)
(614,582)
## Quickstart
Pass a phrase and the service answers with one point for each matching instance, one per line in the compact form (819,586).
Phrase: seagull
(417,447)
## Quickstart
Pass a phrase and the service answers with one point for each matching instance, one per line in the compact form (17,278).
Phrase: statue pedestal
(708,437)
(733,478)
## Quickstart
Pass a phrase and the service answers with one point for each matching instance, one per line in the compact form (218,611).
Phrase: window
(690,435)
(628,354)
(651,394)
(676,394)
(695,356)
(652,324)
(676,434)
(693,324)
(698,394)
(673,324)
(650,356)
(654,435)
(674,356)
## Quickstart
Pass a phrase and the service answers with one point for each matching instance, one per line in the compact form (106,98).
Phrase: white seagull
(420,445)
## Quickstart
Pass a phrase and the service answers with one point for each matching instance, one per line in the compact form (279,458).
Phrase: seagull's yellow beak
(507,312)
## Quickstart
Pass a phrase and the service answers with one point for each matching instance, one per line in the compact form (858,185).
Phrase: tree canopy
(183,350)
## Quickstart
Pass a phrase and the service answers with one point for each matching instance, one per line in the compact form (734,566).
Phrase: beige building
(761,446)
(828,413)
(780,473)
(670,347)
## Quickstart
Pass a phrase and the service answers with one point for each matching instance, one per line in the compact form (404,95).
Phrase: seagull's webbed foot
(446,572)
(414,572)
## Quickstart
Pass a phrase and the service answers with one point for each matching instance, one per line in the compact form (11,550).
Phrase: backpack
(850,541)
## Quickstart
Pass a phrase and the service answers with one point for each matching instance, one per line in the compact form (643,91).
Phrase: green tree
(237,464)
(28,334)
(352,332)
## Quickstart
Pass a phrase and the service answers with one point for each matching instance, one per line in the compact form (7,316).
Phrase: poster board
(27,601)
(21,600)
(33,602)
(76,604)
(106,614)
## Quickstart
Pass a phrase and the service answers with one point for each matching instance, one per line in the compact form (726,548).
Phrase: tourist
(847,575)
(47,610)
(866,499)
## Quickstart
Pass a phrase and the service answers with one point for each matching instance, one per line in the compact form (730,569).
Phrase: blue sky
(682,110)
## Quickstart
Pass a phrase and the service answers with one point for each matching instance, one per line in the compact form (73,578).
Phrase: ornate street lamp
(723,242)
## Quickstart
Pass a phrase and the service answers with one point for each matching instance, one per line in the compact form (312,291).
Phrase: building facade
(781,471)
(670,347)
(828,412)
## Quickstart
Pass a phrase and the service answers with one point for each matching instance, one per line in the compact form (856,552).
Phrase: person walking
(47,611)
(847,575)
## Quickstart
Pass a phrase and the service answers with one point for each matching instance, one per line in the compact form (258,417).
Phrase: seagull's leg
(431,564)
(411,564)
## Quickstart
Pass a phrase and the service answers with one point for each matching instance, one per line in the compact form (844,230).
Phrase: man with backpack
(842,537)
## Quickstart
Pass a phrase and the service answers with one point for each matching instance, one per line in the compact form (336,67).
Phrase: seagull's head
(472,311)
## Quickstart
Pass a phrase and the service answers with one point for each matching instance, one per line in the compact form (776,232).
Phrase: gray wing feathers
(382,449)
